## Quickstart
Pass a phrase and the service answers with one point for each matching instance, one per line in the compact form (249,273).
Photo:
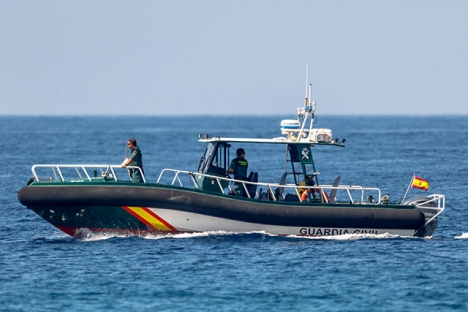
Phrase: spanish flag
(420,183)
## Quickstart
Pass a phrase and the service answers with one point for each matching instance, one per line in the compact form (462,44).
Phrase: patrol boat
(100,199)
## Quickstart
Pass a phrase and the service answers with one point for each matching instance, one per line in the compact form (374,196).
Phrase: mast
(306,99)
(311,109)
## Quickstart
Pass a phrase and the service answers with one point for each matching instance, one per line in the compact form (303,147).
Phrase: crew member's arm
(231,167)
(127,163)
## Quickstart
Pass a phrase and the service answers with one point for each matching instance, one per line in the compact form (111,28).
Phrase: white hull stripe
(191,222)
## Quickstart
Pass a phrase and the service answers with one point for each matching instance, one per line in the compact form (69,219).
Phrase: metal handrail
(270,187)
(110,173)
(176,177)
(82,169)
(434,198)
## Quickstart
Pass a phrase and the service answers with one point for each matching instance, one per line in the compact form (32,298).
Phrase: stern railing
(435,203)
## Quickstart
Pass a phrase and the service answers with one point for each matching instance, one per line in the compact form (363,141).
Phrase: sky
(243,57)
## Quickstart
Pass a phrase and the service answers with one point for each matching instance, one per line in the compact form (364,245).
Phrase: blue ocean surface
(42,269)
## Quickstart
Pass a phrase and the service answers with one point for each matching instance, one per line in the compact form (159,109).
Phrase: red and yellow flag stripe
(152,220)
(420,183)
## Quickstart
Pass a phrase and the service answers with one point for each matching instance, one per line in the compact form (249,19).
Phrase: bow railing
(78,173)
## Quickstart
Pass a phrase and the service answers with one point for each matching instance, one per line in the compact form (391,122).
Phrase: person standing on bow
(238,167)
(135,159)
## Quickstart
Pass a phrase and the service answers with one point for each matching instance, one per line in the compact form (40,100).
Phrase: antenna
(306,85)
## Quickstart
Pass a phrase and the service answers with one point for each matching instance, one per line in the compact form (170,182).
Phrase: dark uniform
(239,167)
(137,161)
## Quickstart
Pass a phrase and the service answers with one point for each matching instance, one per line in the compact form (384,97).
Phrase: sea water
(42,269)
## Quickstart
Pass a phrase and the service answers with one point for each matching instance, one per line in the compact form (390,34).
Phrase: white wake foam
(88,236)
(464,235)
(204,234)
